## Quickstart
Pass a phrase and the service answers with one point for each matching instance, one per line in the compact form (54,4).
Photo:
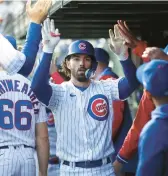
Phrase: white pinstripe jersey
(51,133)
(84,119)
(11,60)
(19,111)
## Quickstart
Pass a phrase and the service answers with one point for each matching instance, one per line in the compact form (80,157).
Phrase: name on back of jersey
(16,86)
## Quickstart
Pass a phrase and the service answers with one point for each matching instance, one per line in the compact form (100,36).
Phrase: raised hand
(50,36)
(117,44)
(39,11)
(154,53)
(130,39)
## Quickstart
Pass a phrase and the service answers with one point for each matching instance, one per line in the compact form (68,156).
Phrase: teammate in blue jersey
(82,107)
(153,146)
(23,128)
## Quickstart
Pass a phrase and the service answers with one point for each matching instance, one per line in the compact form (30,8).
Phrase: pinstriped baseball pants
(17,161)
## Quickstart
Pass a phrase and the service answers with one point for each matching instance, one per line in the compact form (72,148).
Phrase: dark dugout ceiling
(92,19)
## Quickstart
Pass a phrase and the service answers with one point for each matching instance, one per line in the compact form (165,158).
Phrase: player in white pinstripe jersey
(23,120)
(83,107)
(10,59)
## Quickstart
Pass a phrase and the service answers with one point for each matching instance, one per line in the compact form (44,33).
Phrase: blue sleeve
(30,48)
(40,83)
(129,83)
(151,150)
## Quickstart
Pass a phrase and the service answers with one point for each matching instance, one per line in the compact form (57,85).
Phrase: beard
(81,77)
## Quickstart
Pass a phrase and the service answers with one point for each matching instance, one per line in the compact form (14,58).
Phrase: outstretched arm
(40,83)
(30,48)
(129,83)
(36,14)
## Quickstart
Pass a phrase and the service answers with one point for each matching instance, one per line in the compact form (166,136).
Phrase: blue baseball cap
(102,55)
(154,77)
(12,40)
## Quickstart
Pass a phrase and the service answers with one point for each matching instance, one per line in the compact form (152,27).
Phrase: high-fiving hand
(117,44)
(50,36)
(154,53)
(39,11)
(130,39)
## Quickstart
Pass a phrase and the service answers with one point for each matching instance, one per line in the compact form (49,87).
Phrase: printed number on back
(20,119)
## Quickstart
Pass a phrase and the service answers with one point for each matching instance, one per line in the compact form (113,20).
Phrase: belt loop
(104,161)
(72,164)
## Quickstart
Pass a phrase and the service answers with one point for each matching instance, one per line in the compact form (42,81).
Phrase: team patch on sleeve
(50,120)
(98,107)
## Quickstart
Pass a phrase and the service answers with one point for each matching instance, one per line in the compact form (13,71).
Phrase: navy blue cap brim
(139,73)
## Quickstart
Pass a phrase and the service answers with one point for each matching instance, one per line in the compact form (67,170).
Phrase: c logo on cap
(82,46)
(98,107)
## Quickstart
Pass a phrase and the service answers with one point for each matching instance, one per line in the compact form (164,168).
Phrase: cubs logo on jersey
(98,107)
(50,120)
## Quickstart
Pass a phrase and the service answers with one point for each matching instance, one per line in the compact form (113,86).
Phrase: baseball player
(153,146)
(23,119)
(11,59)
(22,62)
(82,107)
(23,127)
(146,105)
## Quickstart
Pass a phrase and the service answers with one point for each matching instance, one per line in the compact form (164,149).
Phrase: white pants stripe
(17,162)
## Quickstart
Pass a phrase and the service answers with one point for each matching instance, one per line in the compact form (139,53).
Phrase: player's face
(78,64)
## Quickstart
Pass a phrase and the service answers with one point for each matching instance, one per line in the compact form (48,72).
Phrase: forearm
(143,115)
(129,146)
(140,48)
(118,108)
(40,83)
(30,48)
(129,83)
(42,145)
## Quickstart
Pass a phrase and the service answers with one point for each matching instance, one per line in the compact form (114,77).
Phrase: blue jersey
(153,145)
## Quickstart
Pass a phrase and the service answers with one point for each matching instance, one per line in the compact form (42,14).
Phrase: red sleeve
(118,108)
(142,45)
(143,115)
(57,79)
(106,77)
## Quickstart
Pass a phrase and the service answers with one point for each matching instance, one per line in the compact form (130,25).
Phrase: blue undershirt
(30,48)
(81,88)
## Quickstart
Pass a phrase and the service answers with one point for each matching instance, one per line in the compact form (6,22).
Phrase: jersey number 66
(15,117)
